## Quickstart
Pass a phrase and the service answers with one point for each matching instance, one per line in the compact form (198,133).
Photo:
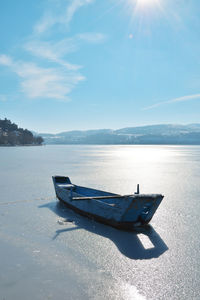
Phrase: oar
(99,197)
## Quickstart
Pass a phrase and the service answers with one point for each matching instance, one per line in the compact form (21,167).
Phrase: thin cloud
(71,9)
(51,19)
(5,60)
(3,98)
(53,51)
(37,82)
(174,100)
(59,79)
(51,83)
(56,51)
(92,37)
(45,23)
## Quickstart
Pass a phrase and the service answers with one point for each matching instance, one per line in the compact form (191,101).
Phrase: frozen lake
(43,256)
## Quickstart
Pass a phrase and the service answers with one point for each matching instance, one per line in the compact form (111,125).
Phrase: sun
(143,11)
(143,3)
(142,14)
(146,2)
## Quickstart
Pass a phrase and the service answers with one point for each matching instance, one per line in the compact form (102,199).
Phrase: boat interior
(79,191)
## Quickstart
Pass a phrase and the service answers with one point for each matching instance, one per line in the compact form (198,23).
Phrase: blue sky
(89,64)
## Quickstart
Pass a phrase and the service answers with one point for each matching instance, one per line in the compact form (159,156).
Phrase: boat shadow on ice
(130,243)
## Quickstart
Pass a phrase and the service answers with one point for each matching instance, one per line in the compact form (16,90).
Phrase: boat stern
(142,208)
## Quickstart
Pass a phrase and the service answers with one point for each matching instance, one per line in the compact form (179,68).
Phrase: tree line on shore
(12,135)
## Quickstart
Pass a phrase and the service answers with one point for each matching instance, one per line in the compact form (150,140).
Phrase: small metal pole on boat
(138,189)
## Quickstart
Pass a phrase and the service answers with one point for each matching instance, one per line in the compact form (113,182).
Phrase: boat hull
(123,212)
(113,223)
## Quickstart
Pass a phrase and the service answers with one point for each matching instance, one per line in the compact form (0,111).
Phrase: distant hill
(12,135)
(163,134)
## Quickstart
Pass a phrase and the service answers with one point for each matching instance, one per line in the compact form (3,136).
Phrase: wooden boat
(121,211)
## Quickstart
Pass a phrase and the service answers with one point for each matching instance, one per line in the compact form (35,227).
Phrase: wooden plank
(99,197)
